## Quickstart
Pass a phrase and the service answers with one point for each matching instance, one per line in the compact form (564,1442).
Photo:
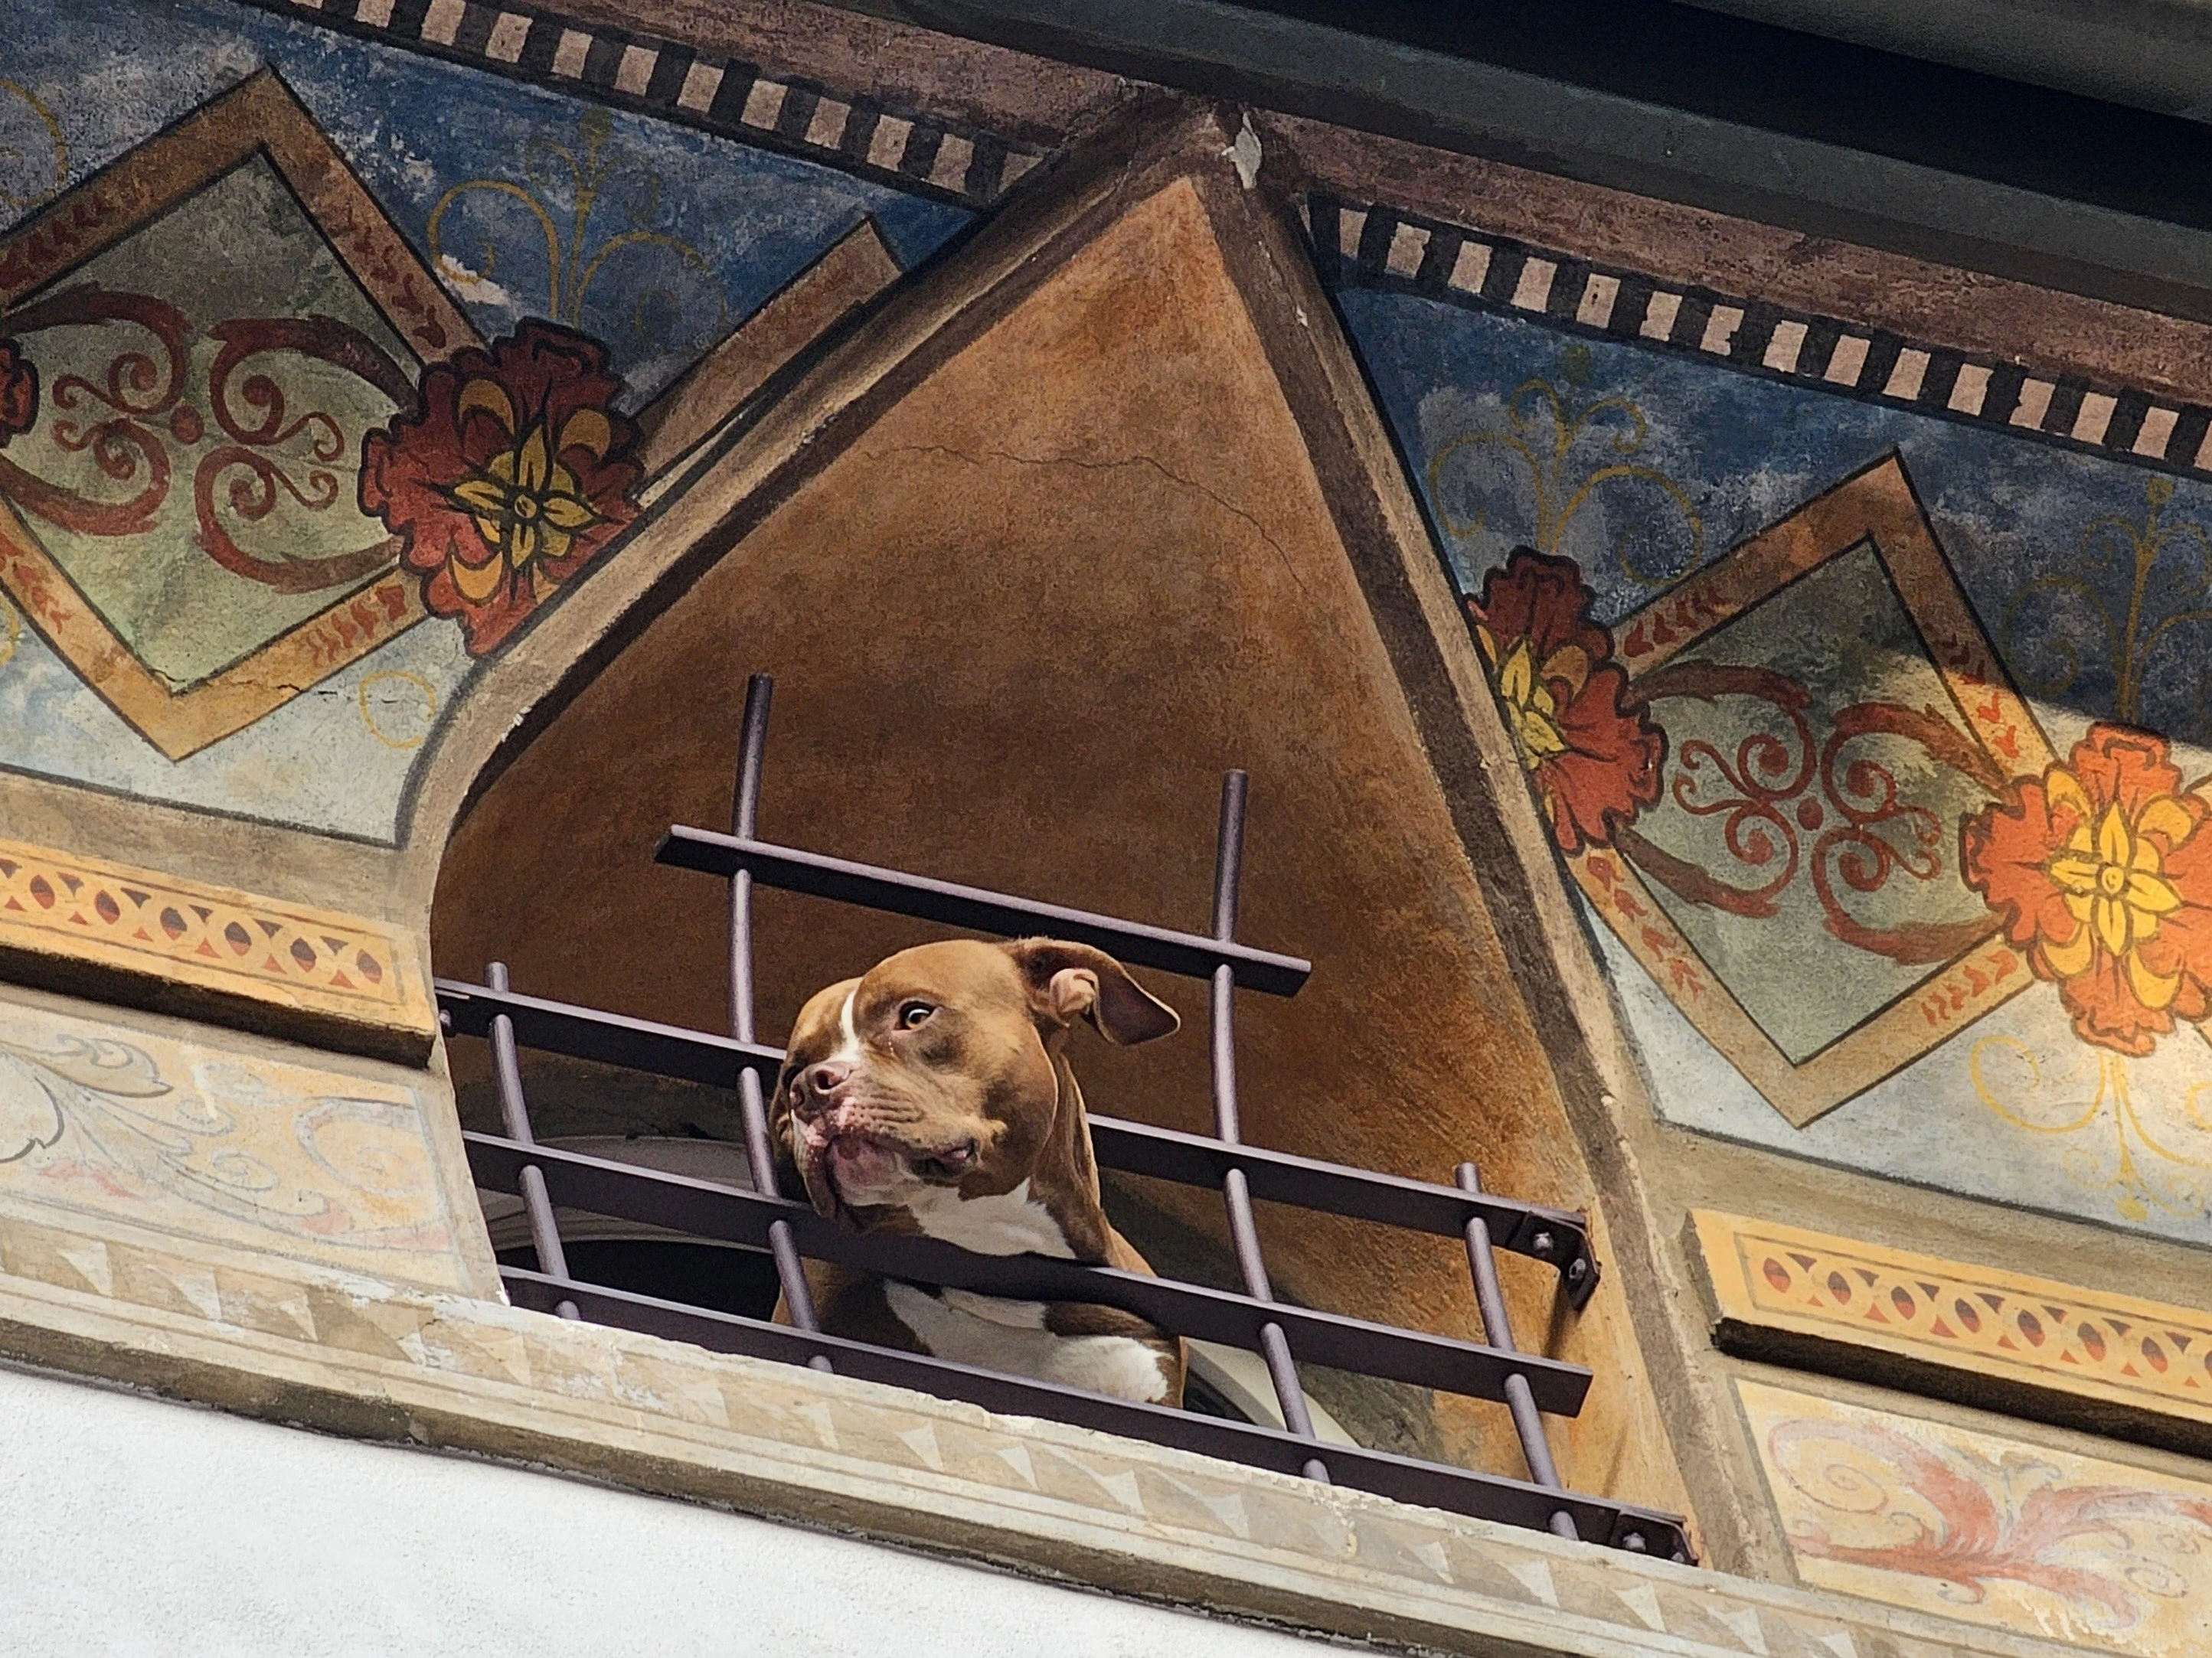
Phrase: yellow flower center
(527,505)
(1532,713)
(2111,877)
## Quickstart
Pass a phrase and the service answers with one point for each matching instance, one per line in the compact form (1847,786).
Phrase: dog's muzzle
(845,1152)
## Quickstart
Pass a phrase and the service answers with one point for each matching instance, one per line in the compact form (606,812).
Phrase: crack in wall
(985,457)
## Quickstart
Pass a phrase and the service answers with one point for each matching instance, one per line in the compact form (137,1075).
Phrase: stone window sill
(353,1356)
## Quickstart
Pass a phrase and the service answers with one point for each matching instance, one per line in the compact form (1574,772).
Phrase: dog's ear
(1067,981)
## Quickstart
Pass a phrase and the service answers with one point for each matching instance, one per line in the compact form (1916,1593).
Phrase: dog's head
(937,1068)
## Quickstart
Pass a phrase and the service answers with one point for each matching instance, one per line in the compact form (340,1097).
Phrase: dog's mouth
(853,1170)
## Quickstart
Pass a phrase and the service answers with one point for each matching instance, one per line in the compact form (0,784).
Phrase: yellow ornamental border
(2114,1364)
(109,930)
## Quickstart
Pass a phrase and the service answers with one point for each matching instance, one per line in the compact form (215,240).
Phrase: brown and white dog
(933,1095)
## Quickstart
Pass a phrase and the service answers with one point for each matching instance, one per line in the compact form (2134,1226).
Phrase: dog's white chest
(1011,1224)
(1010,1335)
(996,1334)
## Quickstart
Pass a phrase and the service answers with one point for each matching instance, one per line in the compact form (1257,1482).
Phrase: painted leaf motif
(30,1117)
(1969,1522)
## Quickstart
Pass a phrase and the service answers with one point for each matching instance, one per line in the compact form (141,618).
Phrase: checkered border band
(1373,246)
(720,95)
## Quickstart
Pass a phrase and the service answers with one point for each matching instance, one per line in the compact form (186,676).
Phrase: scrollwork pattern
(1873,1496)
(1791,802)
(258,426)
(99,1113)
(136,389)
(127,416)
(109,1100)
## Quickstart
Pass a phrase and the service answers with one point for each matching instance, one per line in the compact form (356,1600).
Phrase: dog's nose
(823,1079)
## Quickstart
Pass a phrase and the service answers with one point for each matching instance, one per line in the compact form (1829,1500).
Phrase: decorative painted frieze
(1832,354)
(311,400)
(1849,1307)
(670,1417)
(635,70)
(119,1136)
(74,921)
(1857,674)
(2017,1536)
(182,413)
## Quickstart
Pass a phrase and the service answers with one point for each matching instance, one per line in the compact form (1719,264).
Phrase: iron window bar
(762,1218)
(730,1214)
(1553,1236)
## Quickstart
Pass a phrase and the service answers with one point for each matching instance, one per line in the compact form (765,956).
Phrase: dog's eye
(914,1013)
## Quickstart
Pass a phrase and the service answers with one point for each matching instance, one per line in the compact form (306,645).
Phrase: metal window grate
(764,1219)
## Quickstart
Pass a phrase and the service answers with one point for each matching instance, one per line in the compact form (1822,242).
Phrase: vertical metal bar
(1228,873)
(1498,1331)
(1244,1232)
(515,1112)
(760,1155)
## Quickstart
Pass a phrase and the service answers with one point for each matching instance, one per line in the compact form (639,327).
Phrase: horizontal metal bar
(1432,1485)
(1188,954)
(706,1209)
(586,1033)
(1556,1237)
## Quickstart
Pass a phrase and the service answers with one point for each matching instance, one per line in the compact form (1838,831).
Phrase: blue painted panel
(2089,577)
(653,239)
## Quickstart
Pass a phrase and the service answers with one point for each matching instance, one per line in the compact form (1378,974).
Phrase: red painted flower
(2102,871)
(19,392)
(1594,762)
(509,476)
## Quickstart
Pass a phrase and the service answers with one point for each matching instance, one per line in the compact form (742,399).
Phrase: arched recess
(1034,561)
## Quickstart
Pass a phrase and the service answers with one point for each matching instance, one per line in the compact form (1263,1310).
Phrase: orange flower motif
(2102,874)
(1594,762)
(511,474)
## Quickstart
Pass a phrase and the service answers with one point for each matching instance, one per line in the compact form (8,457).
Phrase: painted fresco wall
(1948,1520)
(1864,687)
(324,365)
(1861,683)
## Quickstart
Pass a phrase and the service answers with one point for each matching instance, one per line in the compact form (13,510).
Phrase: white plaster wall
(137,1527)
